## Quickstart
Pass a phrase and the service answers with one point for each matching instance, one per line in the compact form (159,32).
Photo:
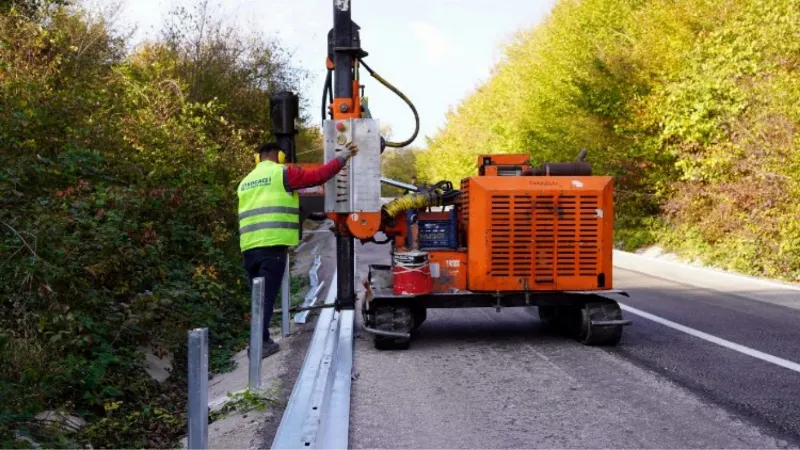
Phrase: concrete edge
(640,263)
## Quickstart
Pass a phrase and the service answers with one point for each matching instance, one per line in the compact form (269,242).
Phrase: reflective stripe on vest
(268,215)
(267,210)
(268,225)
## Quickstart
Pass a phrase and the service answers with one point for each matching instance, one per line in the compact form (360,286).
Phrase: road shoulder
(752,288)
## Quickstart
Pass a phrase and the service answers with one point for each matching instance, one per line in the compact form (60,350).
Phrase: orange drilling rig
(515,234)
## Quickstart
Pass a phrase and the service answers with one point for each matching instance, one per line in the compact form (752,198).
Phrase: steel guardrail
(317,414)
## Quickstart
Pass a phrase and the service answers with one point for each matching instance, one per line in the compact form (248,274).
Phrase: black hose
(402,96)
(330,91)
(444,185)
(325,90)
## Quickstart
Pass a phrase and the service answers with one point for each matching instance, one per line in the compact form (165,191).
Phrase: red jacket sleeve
(297,178)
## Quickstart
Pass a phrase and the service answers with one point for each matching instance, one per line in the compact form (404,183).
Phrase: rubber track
(603,335)
(573,320)
(393,318)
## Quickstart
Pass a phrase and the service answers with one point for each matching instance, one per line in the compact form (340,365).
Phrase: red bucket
(411,274)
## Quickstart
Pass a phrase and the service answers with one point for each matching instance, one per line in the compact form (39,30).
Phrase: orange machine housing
(519,232)
(450,268)
(518,236)
(538,233)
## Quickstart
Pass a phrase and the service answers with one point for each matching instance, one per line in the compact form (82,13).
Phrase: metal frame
(344,46)
(285,294)
(469,299)
(318,412)
(357,187)
(256,333)
(399,184)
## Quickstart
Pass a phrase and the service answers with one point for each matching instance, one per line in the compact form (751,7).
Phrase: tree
(690,106)
(30,8)
(397,164)
(220,63)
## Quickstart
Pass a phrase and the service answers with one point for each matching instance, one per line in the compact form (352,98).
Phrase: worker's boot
(268,348)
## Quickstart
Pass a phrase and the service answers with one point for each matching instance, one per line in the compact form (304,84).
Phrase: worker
(269,219)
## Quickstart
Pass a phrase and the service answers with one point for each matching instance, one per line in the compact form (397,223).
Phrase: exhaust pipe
(573,169)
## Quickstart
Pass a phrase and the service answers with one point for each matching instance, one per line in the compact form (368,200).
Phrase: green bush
(118,230)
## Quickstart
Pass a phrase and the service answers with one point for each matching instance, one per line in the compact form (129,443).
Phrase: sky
(435,51)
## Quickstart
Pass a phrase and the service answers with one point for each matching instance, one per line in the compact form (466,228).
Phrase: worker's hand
(350,150)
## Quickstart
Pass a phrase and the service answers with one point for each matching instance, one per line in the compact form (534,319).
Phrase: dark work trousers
(270,263)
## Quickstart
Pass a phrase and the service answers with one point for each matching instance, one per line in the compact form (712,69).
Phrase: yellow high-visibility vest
(268,215)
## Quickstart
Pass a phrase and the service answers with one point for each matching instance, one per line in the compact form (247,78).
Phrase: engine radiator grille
(463,214)
(511,236)
(544,237)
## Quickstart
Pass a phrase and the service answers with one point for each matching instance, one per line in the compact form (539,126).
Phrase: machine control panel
(357,188)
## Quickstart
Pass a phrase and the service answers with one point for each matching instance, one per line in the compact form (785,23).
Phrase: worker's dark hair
(268,147)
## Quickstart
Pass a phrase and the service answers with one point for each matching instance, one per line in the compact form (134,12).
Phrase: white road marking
(719,341)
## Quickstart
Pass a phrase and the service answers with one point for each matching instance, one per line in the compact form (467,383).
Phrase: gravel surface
(475,378)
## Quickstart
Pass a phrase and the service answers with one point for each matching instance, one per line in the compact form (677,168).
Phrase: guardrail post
(256,333)
(285,294)
(198,389)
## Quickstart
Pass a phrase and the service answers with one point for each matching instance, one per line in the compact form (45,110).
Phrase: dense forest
(117,166)
(692,105)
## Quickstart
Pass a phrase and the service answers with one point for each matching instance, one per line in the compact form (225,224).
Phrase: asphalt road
(475,378)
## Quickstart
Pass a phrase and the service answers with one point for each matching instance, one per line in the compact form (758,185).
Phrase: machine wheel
(583,324)
(393,318)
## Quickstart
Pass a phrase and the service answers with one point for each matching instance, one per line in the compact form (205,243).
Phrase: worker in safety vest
(269,218)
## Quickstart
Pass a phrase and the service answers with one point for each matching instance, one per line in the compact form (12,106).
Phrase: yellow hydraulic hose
(412,201)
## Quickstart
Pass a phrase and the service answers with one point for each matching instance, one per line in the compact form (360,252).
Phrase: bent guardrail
(314,289)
